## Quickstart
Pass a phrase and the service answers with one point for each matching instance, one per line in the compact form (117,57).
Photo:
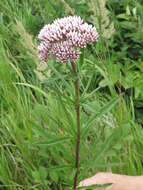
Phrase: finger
(99,178)
(89,181)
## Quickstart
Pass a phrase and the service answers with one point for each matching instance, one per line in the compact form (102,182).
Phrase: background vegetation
(37,118)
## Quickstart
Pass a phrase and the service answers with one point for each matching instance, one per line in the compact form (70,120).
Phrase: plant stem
(77,107)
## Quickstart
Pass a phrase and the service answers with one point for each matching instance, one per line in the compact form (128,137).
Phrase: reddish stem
(77,107)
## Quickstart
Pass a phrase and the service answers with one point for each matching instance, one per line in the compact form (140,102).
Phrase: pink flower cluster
(64,38)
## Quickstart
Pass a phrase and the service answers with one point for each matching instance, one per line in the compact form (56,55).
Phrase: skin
(119,182)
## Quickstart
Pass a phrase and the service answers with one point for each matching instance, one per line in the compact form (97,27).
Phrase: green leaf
(43,172)
(90,187)
(53,141)
(102,111)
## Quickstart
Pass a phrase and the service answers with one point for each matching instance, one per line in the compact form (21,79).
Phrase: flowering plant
(63,40)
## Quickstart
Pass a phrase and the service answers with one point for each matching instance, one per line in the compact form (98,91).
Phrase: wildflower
(64,38)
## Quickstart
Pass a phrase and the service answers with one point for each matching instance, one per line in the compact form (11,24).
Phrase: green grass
(37,117)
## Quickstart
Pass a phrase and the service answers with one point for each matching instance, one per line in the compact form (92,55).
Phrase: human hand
(119,182)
